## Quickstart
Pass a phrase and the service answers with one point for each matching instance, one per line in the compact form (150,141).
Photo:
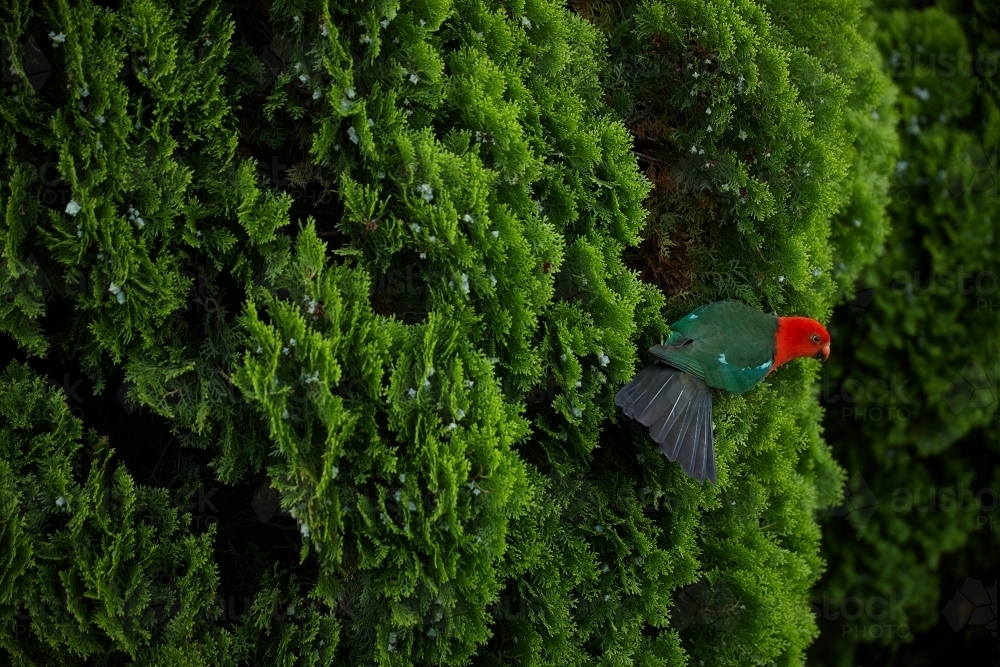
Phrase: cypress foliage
(928,445)
(456,485)
(762,129)
(103,567)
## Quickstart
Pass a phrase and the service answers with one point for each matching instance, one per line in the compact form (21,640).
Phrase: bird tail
(677,408)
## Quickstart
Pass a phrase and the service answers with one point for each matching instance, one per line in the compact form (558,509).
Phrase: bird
(723,345)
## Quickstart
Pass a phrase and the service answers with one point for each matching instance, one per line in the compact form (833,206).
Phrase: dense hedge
(410,331)
(912,404)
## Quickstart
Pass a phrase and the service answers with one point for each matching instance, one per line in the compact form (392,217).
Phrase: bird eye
(815,338)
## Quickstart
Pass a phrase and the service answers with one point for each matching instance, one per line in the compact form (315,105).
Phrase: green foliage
(928,327)
(458,489)
(769,134)
(94,559)
(477,150)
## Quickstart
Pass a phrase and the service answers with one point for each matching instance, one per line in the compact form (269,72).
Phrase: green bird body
(703,344)
(724,345)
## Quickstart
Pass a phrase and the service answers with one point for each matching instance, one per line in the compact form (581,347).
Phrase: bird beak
(823,354)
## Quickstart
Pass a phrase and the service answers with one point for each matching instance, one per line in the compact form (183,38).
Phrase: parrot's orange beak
(823,354)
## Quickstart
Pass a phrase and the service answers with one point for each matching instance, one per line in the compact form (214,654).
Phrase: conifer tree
(453,479)
(923,454)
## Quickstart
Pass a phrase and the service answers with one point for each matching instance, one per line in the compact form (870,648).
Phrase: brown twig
(650,158)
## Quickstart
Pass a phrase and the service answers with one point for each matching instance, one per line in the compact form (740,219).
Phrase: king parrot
(721,345)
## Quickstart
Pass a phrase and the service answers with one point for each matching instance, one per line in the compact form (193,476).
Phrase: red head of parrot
(800,337)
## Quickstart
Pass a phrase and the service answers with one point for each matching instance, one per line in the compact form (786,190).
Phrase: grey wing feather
(640,384)
(677,408)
